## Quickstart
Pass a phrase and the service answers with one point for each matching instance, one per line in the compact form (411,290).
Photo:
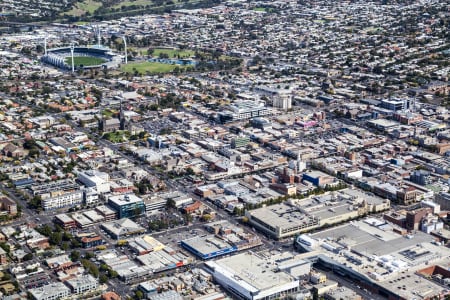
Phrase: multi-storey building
(51,291)
(243,110)
(82,284)
(95,179)
(127,206)
(58,194)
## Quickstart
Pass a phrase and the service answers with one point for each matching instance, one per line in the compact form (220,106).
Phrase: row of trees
(59,237)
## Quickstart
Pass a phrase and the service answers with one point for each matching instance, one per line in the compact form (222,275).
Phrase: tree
(55,238)
(113,274)
(206,217)
(171,203)
(75,255)
(39,48)
(35,202)
(65,246)
(5,247)
(190,171)
(103,279)
(45,230)
(67,236)
(188,218)
(28,256)
(238,211)
(91,267)
(75,243)
(139,294)
(30,144)
(6,277)
(163,55)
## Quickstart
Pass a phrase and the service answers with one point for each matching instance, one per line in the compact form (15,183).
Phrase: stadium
(84,57)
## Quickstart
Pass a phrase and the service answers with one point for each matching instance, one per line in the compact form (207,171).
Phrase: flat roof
(206,244)
(64,218)
(370,240)
(251,271)
(93,215)
(57,260)
(413,286)
(81,219)
(82,280)
(105,210)
(281,215)
(123,227)
(384,122)
(124,199)
(160,260)
(49,290)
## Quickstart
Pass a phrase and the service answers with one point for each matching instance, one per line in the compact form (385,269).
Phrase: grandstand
(101,57)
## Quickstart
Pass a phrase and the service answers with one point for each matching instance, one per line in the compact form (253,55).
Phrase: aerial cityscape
(208,150)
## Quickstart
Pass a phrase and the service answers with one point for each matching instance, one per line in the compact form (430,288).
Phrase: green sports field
(85,61)
(173,53)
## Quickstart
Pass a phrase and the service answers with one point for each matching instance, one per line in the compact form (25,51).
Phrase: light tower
(98,34)
(72,49)
(125,44)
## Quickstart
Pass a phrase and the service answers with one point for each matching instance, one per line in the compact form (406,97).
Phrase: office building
(127,206)
(95,179)
(154,204)
(421,177)
(396,104)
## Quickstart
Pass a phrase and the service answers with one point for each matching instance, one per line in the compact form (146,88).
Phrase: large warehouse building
(251,277)
(281,220)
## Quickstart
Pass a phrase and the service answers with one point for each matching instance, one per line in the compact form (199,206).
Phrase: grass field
(133,2)
(108,113)
(264,9)
(173,52)
(119,136)
(151,67)
(260,9)
(81,8)
(85,61)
